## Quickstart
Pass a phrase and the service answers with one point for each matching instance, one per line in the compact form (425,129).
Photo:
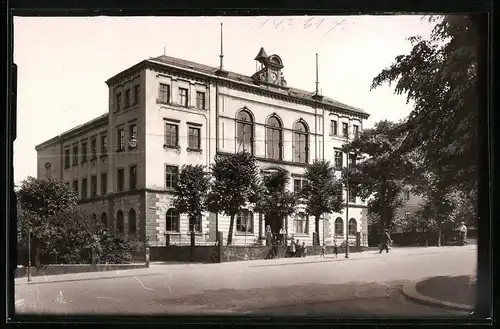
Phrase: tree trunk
(316,224)
(230,232)
(439,236)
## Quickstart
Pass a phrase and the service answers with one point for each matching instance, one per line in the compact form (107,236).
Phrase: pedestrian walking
(335,249)
(292,247)
(463,234)
(323,251)
(304,249)
(386,240)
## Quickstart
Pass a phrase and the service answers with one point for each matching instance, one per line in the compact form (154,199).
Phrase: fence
(37,258)
(405,239)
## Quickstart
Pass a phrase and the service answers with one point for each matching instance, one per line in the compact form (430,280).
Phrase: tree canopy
(275,200)
(323,192)
(381,172)
(235,185)
(191,191)
(439,76)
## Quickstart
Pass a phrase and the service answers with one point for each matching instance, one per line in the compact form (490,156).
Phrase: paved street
(367,284)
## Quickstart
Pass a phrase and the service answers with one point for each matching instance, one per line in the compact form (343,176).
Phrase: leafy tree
(235,185)
(440,201)
(323,192)
(275,199)
(439,76)
(46,197)
(191,191)
(382,172)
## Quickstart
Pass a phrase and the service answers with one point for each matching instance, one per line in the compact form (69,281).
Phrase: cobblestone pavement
(366,284)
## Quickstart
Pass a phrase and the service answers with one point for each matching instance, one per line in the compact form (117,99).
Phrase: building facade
(165,112)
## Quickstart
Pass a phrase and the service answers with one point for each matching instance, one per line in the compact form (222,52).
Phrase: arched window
(300,143)
(104,219)
(244,132)
(132,225)
(339,227)
(353,226)
(48,171)
(274,138)
(244,221)
(119,221)
(172,220)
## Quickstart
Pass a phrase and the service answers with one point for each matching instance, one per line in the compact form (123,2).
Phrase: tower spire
(221,67)
(317,75)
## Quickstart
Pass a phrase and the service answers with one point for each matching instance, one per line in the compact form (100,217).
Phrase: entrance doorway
(275,222)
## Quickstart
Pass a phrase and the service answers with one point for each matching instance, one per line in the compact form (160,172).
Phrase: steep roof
(237,77)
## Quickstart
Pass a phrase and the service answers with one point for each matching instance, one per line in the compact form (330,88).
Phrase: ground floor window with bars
(301,223)
(244,222)
(195,224)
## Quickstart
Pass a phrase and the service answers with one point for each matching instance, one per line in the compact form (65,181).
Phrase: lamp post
(347,197)
(29,254)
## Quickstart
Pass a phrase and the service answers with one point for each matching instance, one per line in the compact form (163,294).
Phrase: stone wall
(196,254)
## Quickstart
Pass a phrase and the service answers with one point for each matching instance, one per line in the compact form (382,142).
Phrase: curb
(410,291)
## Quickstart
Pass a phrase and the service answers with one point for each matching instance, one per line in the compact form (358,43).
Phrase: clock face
(273,76)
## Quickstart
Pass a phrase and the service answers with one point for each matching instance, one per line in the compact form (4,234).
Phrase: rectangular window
(104,145)
(345,129)
(200,100)
(244,222)
(104,183)
(352,159)
(120,180)
(133,178)
(93,148)
(333,127)
(137,94)
(356,131)
(75,155)
(133,131)
(300,224)
(338,159)
(127,98)
(118,101)
(93,186)
(194,138)
(66,158)
(407,215)
(407,195)
(183,97)
(297,185)
(171,135)
(84,152)
(195,224)
(75,186)
(164,93)
(170,176)
(84,188)
(121,139)
(352,196)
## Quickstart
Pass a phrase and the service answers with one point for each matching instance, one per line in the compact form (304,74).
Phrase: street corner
(447,292)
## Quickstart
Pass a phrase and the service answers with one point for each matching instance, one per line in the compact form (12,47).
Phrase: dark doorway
(275,222)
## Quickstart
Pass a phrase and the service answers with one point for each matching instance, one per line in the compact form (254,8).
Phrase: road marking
(142,284)
(60,299)
(110,298)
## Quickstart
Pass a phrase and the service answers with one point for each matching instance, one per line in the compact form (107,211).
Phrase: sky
(63,63)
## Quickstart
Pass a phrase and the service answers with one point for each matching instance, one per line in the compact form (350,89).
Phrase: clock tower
(270,70)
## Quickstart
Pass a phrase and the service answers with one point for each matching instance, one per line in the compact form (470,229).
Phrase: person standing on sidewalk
(386,240)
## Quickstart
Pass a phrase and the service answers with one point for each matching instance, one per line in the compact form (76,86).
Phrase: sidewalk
(453,292)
